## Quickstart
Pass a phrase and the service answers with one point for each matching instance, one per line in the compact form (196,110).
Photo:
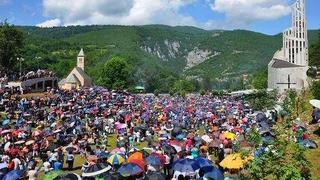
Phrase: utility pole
(20,62)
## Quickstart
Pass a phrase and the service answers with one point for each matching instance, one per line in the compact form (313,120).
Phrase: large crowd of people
(180,134)
(37,74)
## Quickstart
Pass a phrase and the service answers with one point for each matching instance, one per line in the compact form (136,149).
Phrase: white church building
(288,67)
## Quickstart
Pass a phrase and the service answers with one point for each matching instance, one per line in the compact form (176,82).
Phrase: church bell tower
(80,60)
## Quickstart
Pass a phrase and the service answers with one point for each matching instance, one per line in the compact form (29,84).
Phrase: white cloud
(50,23)
(241,13)
(126,12)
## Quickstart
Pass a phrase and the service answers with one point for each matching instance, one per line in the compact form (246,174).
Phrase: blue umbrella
(203,162)
(214,174)
(130,169)
(5,122)
(13,175)
(180,137)
(153,160)
(187,166)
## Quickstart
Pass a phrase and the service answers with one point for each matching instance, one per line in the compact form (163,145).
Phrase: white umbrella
(206,138)
(20,142)
(7,146)
(315,103)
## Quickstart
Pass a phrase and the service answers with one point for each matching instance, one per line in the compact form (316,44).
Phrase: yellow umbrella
(234,161)
(229,135)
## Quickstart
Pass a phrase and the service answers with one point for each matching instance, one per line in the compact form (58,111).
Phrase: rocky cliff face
(165,51)
(171,50)
(197,56)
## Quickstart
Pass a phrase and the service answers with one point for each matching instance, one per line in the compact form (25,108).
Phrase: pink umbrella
(120,126)
(6,131)
(116,151)
(36,133)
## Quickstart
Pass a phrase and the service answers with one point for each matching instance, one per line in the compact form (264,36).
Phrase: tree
(11,45)
(315,53)
(115,73)
(284,159)
(315,89)
(260,80)
(261,100)
(289,103)
(182,87)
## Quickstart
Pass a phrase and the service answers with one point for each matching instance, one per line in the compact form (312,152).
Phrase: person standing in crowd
(70,160)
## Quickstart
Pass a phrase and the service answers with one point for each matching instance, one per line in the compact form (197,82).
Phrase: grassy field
(313,155)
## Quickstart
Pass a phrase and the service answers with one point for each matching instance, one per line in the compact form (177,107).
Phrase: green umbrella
(53,174)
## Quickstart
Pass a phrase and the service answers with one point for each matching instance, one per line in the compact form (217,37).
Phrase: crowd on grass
(193,137)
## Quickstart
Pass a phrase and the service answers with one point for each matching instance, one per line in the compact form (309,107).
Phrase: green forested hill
(157,54)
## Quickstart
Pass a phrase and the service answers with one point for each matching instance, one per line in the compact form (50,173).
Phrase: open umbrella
(155,176)
(186,166)
(206,138)
(36,133)
(315,103)
(308,143)
(96,169)
(116,151)
(229,135)
(130,169)
(139,162)
(234,161)
(13,175)
(168,149)
(6,131)
(5,122)
(53,174)
(203,162)
(116,159)
(30,142)
(153,160)
(214,173)
(7,146)
(135,155)
(160,156)
(69,176)
(20,142)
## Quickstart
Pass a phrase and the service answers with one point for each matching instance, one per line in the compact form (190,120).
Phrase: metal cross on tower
(289,82)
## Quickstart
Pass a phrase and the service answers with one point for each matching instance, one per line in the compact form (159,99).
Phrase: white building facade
(289,66)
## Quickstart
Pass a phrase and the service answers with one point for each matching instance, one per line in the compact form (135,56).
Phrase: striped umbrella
(116,159)
(96,169)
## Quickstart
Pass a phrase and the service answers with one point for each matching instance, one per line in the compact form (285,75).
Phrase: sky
(265,16)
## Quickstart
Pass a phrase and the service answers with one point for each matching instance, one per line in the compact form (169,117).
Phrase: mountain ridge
(178,51)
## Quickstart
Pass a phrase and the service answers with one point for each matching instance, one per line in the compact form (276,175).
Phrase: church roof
(283,64)
(71,79)
(83,74)
(81,53)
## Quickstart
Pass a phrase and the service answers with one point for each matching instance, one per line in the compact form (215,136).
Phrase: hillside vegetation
(157,55)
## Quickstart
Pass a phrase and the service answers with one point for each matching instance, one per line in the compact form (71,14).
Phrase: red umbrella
(174,142)
(13,151)
(15,133)
(138,162)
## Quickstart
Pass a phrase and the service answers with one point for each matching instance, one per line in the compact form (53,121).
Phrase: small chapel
(288,67)
(77,77)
